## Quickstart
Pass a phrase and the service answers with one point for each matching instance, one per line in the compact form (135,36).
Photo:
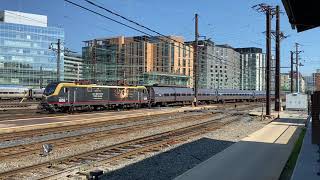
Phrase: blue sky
(230,22)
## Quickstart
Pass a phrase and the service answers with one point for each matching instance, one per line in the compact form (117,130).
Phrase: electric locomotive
(65,96)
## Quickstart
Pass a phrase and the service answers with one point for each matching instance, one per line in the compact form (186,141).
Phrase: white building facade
(73,67)
(219,66)
(252,68)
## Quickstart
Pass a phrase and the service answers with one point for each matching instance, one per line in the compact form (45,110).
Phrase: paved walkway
(260,156)
(307,166)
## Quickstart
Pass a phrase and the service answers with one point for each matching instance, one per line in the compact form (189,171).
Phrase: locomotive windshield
(50,89)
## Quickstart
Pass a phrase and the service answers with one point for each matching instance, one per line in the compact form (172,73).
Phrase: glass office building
(25,57)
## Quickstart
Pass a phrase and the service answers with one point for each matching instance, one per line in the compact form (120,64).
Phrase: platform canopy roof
(302,14)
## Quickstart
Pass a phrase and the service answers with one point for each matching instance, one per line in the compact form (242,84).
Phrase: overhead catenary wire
(85,8)
(131,21)
(116,21)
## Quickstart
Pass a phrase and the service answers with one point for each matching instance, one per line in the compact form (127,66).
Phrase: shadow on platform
(170,164)
(260,158)
(262,155)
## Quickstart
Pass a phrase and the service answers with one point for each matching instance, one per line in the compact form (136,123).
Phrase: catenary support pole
(41,77)
(58,59)
(277,73)
(297,68)
(195,63)
(291,72)
(268,49)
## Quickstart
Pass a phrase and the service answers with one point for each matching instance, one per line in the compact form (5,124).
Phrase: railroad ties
(81,164)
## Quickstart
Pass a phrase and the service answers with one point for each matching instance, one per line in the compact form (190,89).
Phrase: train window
(89,89)
(178,94)
(166,94)
(172,94)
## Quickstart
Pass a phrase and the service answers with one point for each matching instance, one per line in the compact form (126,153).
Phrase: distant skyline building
(316,77)
(285,81)
(226,67)
(219,66)
(309,83)
(25,57)
(252,68)
(302,84)
(73,66)
(139,60)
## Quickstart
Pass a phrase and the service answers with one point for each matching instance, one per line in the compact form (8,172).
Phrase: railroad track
(16,105)
(55,130)
(110,154)
(32,148)
(33,133)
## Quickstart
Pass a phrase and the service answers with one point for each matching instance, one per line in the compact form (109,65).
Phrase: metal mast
(195,64)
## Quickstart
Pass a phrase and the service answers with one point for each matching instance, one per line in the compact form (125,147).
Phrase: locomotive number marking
(62,99)
(97,95)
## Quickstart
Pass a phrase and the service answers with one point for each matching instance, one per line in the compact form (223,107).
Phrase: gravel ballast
(175,160)
(165,164)
(84,147)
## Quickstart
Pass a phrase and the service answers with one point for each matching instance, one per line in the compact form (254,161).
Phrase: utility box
(297,101)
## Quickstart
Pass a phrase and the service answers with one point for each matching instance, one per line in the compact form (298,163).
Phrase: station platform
(18,125)
(262,155)
(307,166)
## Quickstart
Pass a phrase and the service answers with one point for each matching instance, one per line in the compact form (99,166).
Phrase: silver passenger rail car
(225,95)
(208,95)
(161,95)
(184,95)
(35,94)
(13,93)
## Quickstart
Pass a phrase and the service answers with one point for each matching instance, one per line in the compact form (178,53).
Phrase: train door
(29,94)
(69,94)
(72,95)
(174,95)
(74,98)
(142,95)
(139,94)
